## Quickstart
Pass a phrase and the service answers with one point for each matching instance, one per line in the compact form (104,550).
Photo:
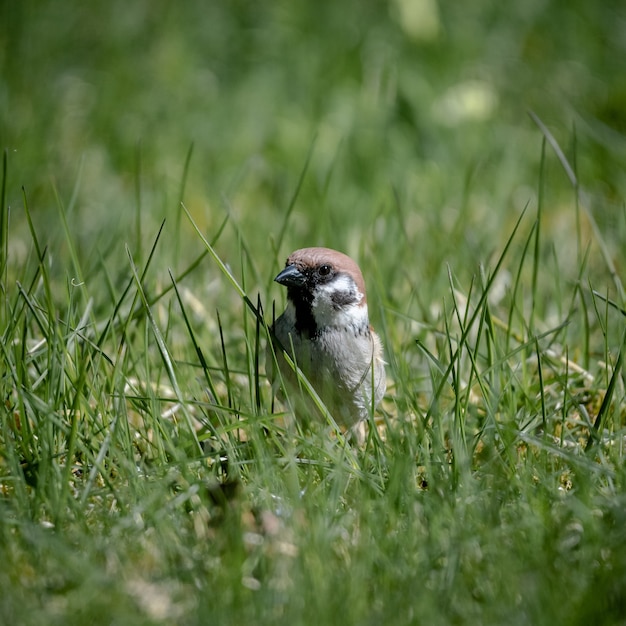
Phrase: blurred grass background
(408,123)
(420,99)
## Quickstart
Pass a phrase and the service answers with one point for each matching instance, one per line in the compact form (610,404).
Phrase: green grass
(158,167)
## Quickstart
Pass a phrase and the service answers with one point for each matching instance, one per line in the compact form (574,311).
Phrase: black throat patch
(303,302)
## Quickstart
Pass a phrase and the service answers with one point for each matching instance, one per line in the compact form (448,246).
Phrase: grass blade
(600,421)
(165,355)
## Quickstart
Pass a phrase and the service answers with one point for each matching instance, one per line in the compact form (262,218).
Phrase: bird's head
(326,289)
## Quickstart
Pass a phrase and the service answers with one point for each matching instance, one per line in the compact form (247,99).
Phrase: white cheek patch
(339,303)
(341,291)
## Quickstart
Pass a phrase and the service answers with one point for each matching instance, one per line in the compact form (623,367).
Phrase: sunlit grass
(147,473)
(139,426)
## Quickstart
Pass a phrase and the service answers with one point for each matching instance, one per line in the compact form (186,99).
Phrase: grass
(147,476)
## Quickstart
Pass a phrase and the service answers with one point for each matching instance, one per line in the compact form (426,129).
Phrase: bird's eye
(324,270)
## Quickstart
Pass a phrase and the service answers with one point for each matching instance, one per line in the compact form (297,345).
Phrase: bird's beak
(291,276)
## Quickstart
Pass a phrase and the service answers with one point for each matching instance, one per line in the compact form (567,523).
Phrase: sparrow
(325,330)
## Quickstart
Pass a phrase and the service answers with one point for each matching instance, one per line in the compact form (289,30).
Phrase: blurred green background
(417,104)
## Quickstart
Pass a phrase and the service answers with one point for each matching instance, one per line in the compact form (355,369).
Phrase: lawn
(161,160)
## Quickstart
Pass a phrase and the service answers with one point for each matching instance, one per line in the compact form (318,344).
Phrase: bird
(326,332)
